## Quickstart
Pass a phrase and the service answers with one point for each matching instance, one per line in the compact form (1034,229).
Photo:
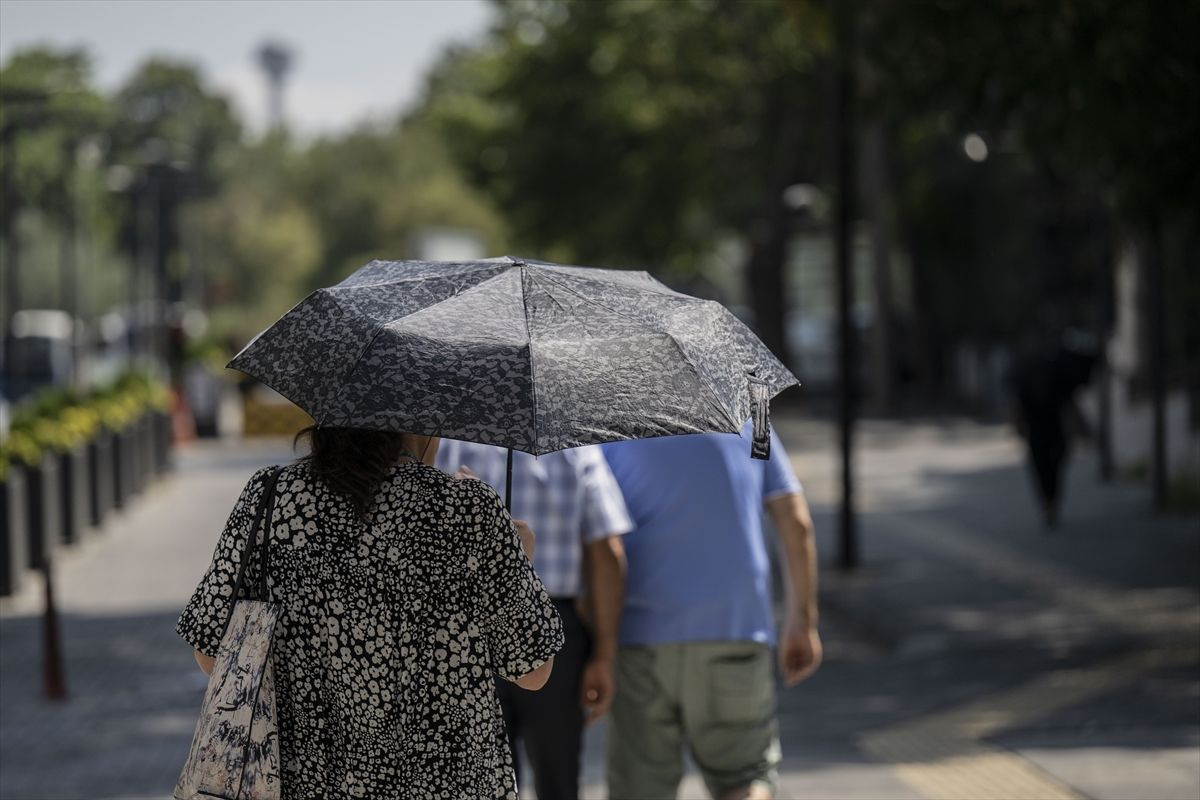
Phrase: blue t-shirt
(698,565)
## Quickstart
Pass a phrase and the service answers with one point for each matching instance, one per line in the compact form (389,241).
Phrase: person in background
(401,593)
(573,505)
(694,662)
(1044,385)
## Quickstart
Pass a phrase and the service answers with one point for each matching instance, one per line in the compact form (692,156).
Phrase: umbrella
(523,354)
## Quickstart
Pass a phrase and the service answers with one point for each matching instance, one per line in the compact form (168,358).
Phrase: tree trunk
(876,192)
(1157,329)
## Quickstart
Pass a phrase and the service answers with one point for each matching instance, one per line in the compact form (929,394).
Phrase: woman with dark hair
(403,590)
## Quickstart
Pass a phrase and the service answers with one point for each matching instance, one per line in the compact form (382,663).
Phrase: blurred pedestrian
(1045,383)
(572,502)
(694,665)
(402,592)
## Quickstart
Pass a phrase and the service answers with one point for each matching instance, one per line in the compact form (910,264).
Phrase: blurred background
(953,220)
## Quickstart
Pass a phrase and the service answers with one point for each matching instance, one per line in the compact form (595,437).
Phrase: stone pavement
(972,656)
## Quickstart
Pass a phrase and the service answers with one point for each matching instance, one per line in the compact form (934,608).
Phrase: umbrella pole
(508,482)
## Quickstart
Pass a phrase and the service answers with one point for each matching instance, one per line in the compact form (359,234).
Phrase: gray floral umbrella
(522,354)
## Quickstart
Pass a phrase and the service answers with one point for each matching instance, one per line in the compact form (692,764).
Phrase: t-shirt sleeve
(203,621)
(604,511)
(779,479)
(520,622)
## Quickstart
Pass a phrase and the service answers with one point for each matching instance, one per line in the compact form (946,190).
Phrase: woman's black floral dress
(389,634)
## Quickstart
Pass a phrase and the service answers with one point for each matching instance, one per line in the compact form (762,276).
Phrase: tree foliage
(628,133)
(1101,87)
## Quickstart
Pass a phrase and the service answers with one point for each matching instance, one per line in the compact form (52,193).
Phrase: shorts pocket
(742,688)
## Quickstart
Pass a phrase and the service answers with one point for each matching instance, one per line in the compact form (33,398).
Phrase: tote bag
(235,752)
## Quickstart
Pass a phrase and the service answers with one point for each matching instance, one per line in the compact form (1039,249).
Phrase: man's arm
(605,560)
(799,645)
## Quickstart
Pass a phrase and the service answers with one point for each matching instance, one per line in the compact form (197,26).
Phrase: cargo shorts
(717,699)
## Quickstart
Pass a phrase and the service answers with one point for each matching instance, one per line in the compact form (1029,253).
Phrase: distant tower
(275,60)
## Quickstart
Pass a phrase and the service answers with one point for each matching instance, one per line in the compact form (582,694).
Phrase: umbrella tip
(516,261)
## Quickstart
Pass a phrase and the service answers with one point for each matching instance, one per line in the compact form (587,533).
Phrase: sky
(354,59)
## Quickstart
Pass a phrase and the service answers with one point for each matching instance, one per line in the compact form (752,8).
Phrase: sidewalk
(1017,663)
(134,689)
(972,656)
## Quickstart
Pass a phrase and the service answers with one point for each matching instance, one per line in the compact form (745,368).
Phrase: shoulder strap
(264,526)
(264,502)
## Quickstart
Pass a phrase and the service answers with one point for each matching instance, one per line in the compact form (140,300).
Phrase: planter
(14,530)
(45,513)
(122,467)
(163,434)
(75,497)
(149,449)
(100,478)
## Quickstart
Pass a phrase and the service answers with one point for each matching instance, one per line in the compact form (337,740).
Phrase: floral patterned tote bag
(235,752)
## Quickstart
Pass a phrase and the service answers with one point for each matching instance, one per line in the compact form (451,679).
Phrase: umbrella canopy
(518,353)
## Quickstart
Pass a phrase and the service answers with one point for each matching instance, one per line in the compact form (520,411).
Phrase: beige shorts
(717,699)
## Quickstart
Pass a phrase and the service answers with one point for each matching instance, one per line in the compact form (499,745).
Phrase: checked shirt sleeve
(604,511)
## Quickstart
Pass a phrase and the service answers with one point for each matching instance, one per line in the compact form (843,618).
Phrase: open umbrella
(522,354)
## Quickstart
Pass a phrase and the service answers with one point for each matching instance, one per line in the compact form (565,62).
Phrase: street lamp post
(848,555)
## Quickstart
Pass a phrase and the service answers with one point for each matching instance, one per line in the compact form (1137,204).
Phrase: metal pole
(848,555)
(12,254)
(54,684)
(508,481)
(1157,297)
(69,272)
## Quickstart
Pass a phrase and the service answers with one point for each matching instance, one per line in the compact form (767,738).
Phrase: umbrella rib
(384,324)
(393,281)
(532,365)
(737,426)
(699,375)
(346,375)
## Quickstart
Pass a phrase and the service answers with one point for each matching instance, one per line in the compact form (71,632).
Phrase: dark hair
(352,461)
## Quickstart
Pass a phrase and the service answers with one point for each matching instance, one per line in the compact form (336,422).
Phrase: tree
(166,112)
(370,191)
(1100,91)
(635,134)
(48,108)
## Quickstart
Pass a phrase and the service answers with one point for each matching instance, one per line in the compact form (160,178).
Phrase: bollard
(122,470)
(73,483)
(149,460)
(163,433)
(45,513)
(100,478)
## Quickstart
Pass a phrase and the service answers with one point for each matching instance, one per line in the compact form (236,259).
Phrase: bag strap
(264,516)
(264,503)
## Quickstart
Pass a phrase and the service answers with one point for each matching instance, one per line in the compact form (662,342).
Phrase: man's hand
(523,529)
(596,689)
(799,652)
(527,537)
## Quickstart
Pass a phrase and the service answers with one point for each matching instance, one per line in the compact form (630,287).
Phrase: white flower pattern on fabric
(389,633)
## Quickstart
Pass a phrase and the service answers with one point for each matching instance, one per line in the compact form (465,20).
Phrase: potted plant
(35,435)
(77,425)
(14,526)
(117,410)
(100,474)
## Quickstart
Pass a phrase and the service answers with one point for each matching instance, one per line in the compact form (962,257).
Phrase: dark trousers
(549,722)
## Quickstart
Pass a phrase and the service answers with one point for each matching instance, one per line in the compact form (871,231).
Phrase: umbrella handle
(508,482)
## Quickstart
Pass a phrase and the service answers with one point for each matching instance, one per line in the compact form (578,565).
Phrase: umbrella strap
(760,399)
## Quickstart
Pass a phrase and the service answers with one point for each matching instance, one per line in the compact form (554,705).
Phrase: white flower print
(437,580)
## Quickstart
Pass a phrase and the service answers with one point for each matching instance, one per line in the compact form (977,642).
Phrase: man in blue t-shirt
(694,662)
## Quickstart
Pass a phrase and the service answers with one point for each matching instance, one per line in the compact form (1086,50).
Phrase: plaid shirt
(569,498)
